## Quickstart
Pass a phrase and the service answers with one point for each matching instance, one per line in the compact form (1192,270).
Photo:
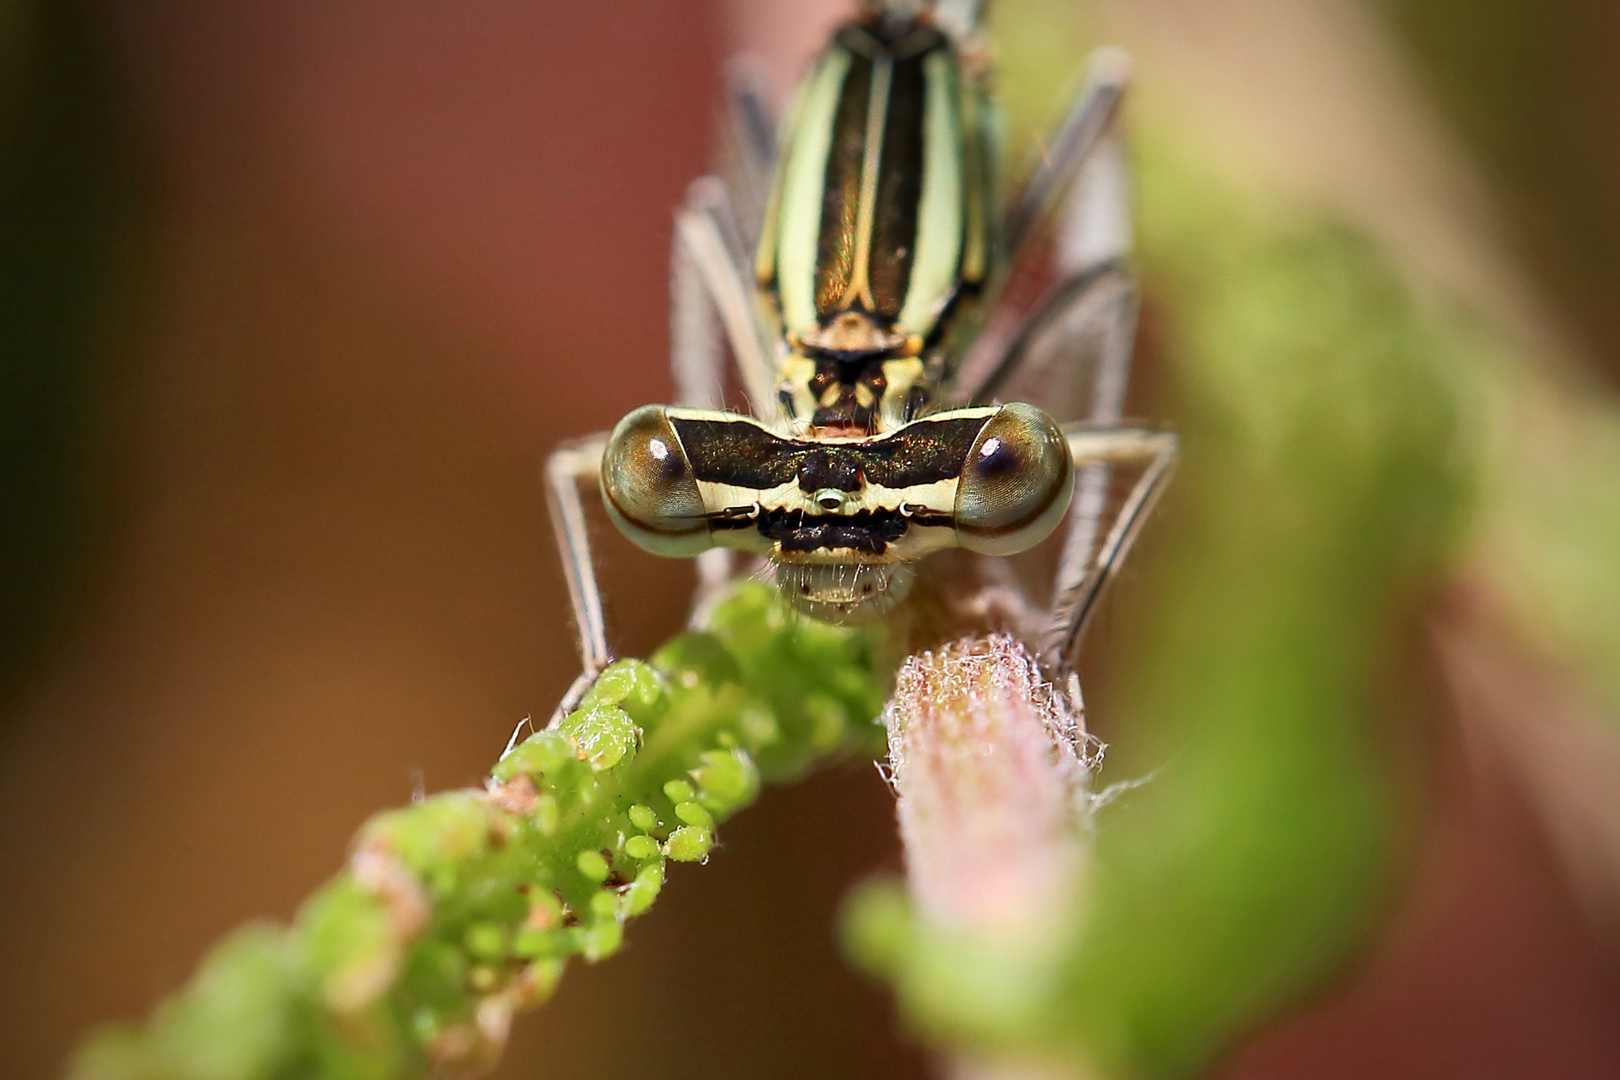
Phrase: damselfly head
(842,520)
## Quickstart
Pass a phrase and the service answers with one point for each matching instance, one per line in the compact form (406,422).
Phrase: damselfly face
(875,239)
(841,519)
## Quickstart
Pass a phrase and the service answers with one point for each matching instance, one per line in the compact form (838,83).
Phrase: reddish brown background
(383,256)
(389,255)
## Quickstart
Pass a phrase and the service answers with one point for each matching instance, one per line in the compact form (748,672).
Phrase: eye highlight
(649,489)
(1016,483)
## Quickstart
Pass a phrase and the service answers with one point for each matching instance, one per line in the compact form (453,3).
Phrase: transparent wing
(1072,355)
(1121,472)
(746,151)
(1059,328)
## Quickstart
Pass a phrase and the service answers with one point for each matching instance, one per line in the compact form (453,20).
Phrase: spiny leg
(567,467)
(1071,225)
(1095,226)
(1073,357)
(1092,314)
(707,296)
(1081,578)
(747,145)
(696,347)
(1088,125)
(707,251)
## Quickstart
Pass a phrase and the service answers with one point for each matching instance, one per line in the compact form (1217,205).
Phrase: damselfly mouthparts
(895,301)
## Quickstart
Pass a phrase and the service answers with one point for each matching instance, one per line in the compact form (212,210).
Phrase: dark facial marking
(820,469)
(869,532)
(835,258)
(899,190)
(921,454)
(742,453)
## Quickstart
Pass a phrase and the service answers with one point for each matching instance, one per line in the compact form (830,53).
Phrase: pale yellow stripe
(800,211)
(939,216)
(877,116)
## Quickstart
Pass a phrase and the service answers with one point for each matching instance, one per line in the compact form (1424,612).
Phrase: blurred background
(294,298)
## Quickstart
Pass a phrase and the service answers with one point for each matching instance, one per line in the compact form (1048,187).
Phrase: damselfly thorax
(876,237)
(892,296)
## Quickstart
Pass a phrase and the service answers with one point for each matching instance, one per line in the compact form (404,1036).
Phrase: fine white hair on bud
(991,767)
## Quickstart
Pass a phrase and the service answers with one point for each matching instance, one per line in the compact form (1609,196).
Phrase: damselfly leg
(1067,234)
(1059,160)
(710,291)
(1091,315)
(567,468)
(1063,334)
(747,145)
(711,313)
(709,280)
(1085,567)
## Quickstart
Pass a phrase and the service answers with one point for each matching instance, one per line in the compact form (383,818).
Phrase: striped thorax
(877,233)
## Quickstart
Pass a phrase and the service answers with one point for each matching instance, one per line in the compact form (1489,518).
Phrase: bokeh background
(294,297)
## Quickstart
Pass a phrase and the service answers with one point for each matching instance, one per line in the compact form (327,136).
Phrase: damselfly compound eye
(648,486)
(1016,484)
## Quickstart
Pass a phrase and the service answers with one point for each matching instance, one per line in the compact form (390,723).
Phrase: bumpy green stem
(462,909)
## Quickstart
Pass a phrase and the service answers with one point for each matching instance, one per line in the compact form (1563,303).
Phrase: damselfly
(893,313)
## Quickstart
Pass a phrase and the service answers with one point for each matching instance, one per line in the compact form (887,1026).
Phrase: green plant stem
(457,912)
